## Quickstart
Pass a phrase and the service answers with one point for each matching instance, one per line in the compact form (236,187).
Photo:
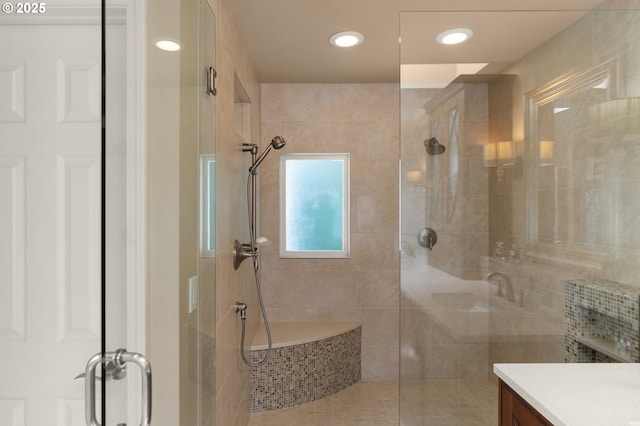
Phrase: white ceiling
(287,40)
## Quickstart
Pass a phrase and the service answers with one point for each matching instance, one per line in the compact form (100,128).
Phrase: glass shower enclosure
(535,188)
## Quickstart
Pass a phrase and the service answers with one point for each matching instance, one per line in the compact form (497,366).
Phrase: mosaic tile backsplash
(307,372)
(602,322)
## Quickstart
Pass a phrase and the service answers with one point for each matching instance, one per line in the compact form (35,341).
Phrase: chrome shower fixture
(276,143)
(433,146)
(250,250)
(241,252)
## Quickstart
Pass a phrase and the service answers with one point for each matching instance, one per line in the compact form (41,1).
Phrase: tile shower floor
(424,403)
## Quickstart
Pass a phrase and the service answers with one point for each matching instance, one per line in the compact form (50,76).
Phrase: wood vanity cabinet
(515,411)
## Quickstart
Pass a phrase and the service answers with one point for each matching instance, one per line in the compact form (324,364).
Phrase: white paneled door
(53,279)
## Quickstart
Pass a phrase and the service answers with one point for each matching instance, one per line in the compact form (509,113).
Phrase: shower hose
(251,203)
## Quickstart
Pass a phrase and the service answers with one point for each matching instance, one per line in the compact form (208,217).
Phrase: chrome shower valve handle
(241,252)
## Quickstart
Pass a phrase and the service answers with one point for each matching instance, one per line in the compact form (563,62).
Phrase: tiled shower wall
(232,64)
(361,119)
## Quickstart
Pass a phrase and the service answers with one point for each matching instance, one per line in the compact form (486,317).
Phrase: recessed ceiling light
(346,39)
(168,45)
(455,36)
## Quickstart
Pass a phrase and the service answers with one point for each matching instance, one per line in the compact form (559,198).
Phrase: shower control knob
(427,238)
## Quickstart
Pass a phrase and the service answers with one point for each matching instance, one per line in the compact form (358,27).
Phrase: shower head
(276,143)
(433,146)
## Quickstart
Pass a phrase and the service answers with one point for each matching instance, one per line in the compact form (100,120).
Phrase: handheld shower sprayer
(250,250)
(276,143)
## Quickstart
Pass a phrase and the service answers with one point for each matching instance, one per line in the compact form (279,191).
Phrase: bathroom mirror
(571,196)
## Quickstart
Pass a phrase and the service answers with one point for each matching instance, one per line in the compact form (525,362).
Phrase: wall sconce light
(489,155)
(504,152)
(416,178)
(546,153)
(499,155)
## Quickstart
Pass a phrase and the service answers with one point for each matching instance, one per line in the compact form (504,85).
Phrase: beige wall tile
(361,119)
(231,219)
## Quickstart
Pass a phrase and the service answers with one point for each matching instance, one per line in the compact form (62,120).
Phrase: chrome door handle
(211,81)
(111,371)
(118,358)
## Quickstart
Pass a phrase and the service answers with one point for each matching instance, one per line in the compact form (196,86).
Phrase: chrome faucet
(504,284)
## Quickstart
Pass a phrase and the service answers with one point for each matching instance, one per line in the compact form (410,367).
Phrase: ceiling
(287,40)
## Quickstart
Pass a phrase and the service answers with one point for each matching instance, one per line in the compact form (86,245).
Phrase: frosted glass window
(314,205)
(208,205)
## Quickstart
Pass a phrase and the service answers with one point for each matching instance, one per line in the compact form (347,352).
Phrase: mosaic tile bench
(309,361)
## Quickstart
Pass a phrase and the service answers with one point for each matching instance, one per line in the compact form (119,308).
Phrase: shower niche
(602,320)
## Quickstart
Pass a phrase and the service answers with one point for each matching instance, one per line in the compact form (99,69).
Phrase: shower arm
(255,162)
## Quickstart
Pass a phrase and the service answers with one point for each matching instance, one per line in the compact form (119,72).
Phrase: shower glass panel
(537,185)
(203,384)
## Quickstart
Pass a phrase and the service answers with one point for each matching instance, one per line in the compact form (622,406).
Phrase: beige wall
(232,393)
(361,119)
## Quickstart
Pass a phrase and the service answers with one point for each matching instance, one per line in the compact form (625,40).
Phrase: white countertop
(578,394)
